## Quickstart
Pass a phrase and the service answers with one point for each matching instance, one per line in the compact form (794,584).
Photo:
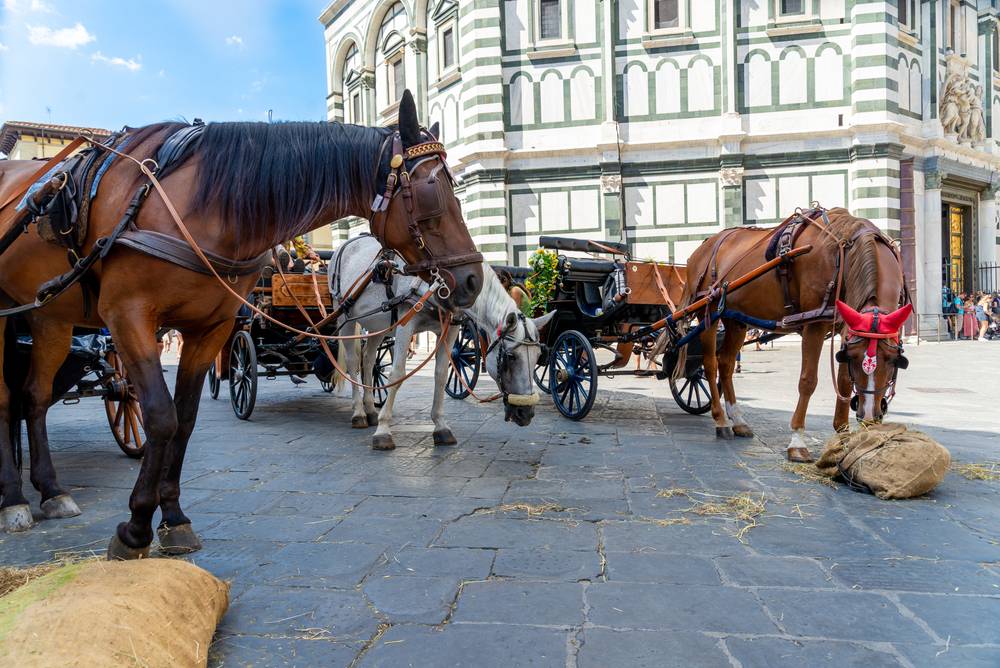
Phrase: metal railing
(988,277)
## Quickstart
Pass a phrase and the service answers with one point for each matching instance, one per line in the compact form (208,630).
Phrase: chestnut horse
(872,278)
(245,188)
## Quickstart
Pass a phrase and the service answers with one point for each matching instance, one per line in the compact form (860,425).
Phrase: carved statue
(961,107)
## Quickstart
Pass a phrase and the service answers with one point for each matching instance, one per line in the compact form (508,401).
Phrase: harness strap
(177,251)
(28,181)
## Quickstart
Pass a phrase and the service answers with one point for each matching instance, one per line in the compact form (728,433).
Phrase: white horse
(512,350)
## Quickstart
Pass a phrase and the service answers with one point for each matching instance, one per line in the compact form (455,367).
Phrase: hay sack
(151,612)
(893,461)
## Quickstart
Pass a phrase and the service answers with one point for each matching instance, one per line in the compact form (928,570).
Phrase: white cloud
(130,64)
(3,47)
(234,40)
(162,74)
(65,38)
(32,6)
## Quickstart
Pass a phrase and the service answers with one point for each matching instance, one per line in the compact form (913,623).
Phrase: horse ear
(409,126)
(850,316)
(541,321)
(510,322)
(435,130)
(893,321)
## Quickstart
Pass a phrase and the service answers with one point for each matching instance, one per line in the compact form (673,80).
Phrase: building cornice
(330,13)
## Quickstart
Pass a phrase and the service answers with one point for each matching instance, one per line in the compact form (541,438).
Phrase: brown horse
(872,278)
(245,188)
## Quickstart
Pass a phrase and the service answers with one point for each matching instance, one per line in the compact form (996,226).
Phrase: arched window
(351,78)
(390,57)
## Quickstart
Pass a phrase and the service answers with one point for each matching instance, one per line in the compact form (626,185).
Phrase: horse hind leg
(383,440)
(51,343)
(15,513)
(731,345)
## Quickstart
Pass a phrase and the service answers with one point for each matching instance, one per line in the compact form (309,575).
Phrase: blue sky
(107,63)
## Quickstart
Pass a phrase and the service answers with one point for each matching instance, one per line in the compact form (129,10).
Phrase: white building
(662,121)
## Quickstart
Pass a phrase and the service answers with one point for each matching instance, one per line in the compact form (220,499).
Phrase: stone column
(731,181)
(989,209)
(929,282)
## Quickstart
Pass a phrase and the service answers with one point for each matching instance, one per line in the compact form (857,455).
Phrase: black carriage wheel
(214,381)
(243,375)
(542,374)
(466,358)
(692,393)
(573,375)
(124,413)
(381,371)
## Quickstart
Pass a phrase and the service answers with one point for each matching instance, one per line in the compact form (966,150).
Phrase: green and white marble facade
(618,131)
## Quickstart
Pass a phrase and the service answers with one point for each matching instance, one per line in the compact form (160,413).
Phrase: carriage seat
(585,270)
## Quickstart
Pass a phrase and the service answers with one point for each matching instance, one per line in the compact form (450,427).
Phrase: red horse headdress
(872,325)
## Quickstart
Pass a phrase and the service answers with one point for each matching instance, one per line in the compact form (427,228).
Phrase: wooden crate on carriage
(285,289)
(642,283)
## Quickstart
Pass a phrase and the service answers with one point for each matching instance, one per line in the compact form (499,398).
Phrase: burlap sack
(891,460)
(152,612)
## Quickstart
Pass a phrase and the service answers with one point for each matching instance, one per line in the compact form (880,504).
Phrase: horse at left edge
(240,189)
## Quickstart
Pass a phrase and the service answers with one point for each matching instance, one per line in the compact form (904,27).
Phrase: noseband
(422,201)
(504,354)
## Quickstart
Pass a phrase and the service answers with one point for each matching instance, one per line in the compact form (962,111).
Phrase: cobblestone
(551,545)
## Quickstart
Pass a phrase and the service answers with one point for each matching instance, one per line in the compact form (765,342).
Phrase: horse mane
(861,275)
(493,303)
(271,180)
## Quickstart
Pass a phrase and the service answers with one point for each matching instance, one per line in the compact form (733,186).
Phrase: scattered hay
(672,492)
(12,578)
(534,510)
(743,507)
(979,471)
(808,472)
(665,522)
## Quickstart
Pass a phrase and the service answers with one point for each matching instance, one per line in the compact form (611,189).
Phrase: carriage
(92,369)
(605,308)
(259,348)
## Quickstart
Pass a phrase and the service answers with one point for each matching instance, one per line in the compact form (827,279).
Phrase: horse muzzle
(520,408)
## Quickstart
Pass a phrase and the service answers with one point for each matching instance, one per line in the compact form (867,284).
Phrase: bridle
(505,352)
(870,362)
(423,199)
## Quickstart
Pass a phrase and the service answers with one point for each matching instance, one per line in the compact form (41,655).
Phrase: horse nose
(468,283)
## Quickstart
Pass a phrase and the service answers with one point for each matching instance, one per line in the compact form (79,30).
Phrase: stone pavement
(567,544)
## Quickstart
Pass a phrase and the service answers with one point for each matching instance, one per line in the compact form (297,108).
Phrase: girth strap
(177,251)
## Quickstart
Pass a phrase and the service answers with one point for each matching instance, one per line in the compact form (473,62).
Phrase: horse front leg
(368,360)
(353,367)
(174,532)
(135,341)
(442,432)
(812,349)
(382,440)
(723,428)
(732,344)
(51,343)
(841,412)
(15,513)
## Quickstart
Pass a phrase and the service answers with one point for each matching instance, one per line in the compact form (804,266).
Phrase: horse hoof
(725,433)
(359,422)
(372,419)
(60,507)
(119,551)
(444,437)
(177,540)
(799,455)
(16,518)
(383,442)
(743,431)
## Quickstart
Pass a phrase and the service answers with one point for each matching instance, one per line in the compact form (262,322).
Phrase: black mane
(270,180)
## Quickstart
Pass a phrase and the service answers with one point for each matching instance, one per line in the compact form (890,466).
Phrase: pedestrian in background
(982,316)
